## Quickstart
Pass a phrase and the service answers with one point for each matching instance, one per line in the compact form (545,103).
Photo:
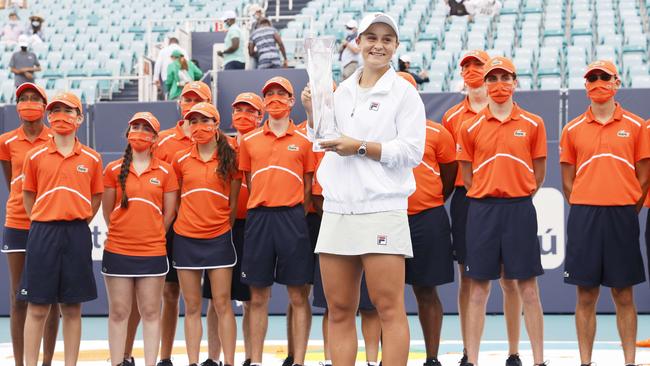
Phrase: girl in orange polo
(139,205)
(203,240)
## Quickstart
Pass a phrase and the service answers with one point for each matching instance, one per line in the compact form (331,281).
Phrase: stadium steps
(129,93)
(298,5)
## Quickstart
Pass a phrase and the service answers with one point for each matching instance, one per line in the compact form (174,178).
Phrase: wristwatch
(363,149)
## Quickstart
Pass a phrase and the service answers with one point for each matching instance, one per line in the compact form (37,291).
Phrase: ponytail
(226,155)
(183,63)
(124,173)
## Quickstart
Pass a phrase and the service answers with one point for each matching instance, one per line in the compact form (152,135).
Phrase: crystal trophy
(319,52)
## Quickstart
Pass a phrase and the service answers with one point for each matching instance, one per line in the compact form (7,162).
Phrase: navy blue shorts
(319,300)
(58,265)
(603,247)
(172,275)
(198,254)
(119,265)
(277,248)
(432,263)
(238,290)
(14,240)
(502,231)
(458,210)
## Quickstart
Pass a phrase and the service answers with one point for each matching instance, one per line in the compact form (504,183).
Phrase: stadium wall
(105,126)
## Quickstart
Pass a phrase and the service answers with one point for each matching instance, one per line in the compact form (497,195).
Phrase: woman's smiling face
(378,45)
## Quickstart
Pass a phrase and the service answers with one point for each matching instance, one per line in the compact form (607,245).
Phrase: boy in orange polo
(604,157)
(502,152)
(14,144)
(62,190)
(278,163)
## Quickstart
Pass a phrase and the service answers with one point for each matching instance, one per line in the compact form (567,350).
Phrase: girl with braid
(210,182)
(139,205)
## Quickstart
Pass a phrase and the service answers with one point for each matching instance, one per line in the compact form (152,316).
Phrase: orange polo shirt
(242,201)
(139,230)
(439,148)
(502,153)
(13,147)
(64,185)
(204,211)
(604,155)
(170,142)
(316,189)
(452,120)
(277,165)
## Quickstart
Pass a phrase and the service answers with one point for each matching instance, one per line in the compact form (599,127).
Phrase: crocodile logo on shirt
(520,133)
(293,147)
(623,133)
(82,168)
(154,181)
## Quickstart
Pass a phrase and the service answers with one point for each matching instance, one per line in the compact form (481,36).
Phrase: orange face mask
(500,91)
(30,111)
(601,91)
(140,140)
(473,76)
(277,106)
(202,133)
(62,123)
(244,122)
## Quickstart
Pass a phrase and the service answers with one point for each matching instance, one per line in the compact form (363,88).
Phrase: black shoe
(210,362)
(288,361)
(165,362)
(192,364)
(247,362)
(432,362)
(463,360)
(128,362)
(513,360)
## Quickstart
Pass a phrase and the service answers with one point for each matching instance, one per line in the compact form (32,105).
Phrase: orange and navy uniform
(438,149)
(604,156)
(204,211)
(502,153)
(452,120)
(64,185)
(170,142)
(139,230)
(14,145)
(277,165)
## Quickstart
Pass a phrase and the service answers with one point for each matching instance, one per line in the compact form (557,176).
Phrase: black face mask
(24,49)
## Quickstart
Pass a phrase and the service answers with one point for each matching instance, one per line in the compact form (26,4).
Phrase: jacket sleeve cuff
(389,152)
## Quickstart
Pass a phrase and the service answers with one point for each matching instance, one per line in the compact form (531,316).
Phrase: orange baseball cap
(147,117)
(36,88)
(251,99)
(603,65)
(278,80)
(200,88)
(500,63)
(206,109)
(67,98)
(408,77)
(479,55)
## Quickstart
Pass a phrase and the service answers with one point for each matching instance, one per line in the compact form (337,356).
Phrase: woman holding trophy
(367,176)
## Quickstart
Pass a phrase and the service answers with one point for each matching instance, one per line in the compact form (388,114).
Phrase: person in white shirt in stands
(349,52)
(162,63)
(367,176)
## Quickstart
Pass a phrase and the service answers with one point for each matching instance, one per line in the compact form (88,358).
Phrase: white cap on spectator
(351,23)
(405,58)
(23,41)
(374,18)
(228,14)
(254,8)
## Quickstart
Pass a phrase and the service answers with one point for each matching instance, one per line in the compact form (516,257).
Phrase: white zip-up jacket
(393,115)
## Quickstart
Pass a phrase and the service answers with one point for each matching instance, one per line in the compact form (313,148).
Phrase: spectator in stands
(404,63)
(256,13)
(473,7)
(180,72)
(162,63)
(233,55)
(349,52)
(24,63)
(12,29)
(266,45)
(35,29)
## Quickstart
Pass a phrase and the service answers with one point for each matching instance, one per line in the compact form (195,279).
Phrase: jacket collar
(383,86)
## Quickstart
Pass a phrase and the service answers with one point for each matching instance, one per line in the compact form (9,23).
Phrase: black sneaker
(165,362)
(288,361)
(247,362)
(210,362)
(128,362)
(463,360)
(432,362)
(513,360)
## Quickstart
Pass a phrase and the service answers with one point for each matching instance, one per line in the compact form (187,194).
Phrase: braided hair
(124,173)
(226,155)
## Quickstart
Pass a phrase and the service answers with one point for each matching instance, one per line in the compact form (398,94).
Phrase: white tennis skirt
(373,233)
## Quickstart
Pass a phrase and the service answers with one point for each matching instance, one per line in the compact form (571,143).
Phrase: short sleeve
(171,183)
(642,150)
(465,144)
(567,149)
(36,63)
(236,33)
(538,148)
(29,175)
(309,165)
(5,152)
(110,180)
(445,148)
(12,62)
(97,181)
(244,157)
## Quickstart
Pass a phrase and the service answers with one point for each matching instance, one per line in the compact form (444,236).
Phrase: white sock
(327,362)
